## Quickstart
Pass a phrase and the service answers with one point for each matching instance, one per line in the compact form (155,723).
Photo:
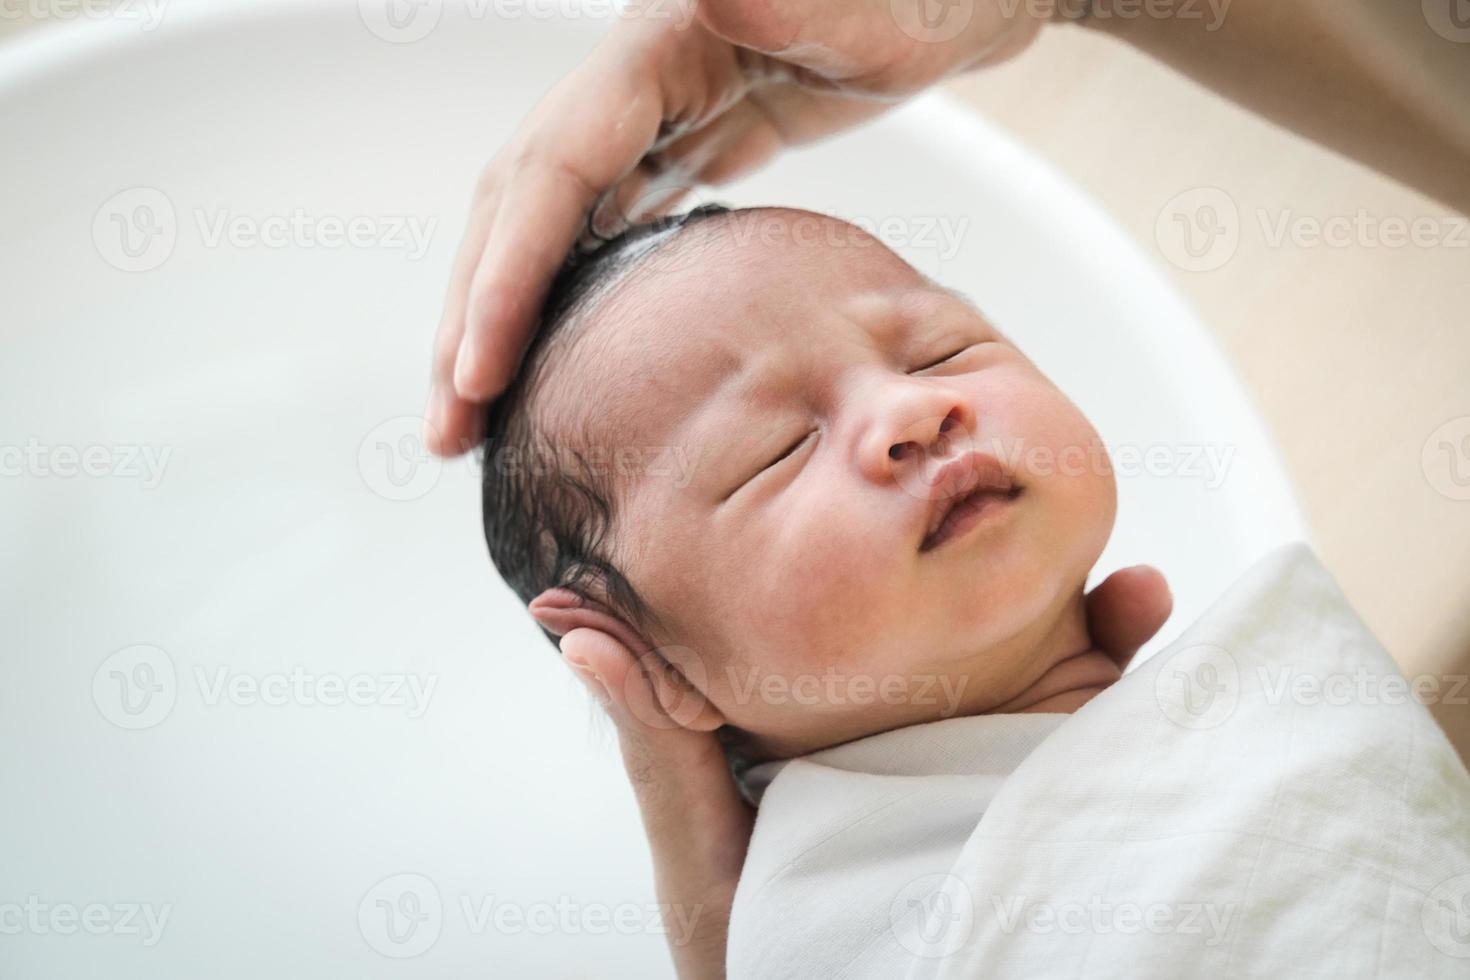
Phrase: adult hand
(674,97)
(697,822)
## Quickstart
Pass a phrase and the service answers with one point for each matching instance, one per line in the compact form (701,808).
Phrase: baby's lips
(956,480)
(969,471)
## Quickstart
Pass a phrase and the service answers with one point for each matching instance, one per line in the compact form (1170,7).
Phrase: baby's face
(810,407)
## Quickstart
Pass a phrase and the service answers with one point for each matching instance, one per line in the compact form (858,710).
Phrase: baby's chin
(1019,645)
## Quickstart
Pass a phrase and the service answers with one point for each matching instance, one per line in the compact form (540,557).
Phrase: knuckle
(753,23)
(480,305)
(446,349)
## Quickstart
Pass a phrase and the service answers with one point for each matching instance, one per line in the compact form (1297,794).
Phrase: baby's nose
(929,444)
(908,421)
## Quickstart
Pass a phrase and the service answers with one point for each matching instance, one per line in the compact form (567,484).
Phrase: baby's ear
(641,684)
(560,611)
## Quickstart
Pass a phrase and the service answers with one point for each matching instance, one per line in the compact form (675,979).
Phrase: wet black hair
(547,508)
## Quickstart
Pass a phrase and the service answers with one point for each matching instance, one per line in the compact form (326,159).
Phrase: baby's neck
(1066,671)
(1070,670)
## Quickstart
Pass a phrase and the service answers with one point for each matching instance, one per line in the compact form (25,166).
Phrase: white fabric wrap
(1265,797)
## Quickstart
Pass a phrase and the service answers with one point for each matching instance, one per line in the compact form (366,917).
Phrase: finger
(462,423)
(450,423)
(735,143)
(814,34)
(587,135)
(1127,609)
(666,763)
(870,45)
(530,238)
(665,178)
(627,686)
(768,119)
(698,824)
(644,194)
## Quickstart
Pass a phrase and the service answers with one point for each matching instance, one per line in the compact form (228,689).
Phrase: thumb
(1127,609)
(645,695)
(677,772)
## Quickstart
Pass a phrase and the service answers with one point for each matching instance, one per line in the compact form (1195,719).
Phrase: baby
(763,447)
(761,444)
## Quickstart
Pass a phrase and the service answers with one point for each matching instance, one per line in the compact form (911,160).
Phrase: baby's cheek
(820,591)
(1068,471)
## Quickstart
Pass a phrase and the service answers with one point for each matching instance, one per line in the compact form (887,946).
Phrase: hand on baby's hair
(661,106)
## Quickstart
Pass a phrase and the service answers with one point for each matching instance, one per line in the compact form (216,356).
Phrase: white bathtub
(246,499)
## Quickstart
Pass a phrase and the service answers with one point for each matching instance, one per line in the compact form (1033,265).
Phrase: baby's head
(760,444)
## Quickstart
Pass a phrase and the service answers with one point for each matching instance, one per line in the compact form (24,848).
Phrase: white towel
(1266,797)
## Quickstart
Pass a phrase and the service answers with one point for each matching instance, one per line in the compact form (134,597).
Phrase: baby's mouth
(965,512)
